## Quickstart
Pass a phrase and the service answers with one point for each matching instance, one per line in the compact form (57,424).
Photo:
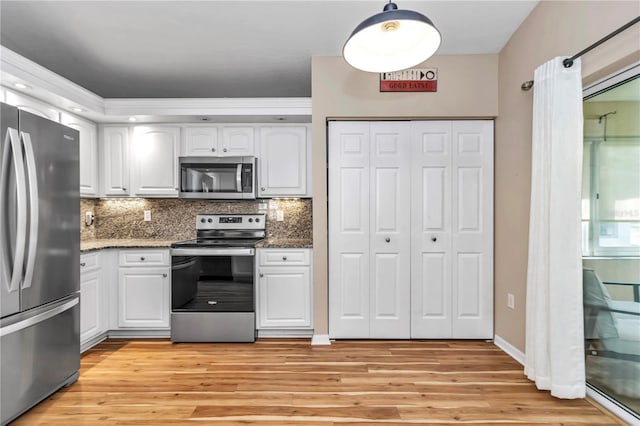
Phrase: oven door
(212,295)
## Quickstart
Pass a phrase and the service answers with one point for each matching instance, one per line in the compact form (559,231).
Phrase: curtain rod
(568,62)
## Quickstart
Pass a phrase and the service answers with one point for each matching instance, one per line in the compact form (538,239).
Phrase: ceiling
(221,49)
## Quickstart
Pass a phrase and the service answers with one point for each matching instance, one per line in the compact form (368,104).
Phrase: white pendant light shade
(392,40)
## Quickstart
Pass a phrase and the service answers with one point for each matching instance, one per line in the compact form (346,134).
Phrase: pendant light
(391,40)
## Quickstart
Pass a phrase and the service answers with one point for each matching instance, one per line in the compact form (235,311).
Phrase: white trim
(611,80)
(509,349)
(88,344)
(209,106)
(285,333)
(320,339)
(139,334)
(612,407)
(22,68)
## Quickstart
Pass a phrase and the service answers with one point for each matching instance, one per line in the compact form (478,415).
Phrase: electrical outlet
(279,215)
(147,215)
(511,301)
(262,207)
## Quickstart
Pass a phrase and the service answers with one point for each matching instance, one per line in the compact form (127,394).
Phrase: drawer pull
(284,257)
(225,149)
(83,264)
(164,275)
(142,258)
(387,239)
(213,150)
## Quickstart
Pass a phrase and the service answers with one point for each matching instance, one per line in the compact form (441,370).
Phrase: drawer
(134,257)
(89,261)
(269,257)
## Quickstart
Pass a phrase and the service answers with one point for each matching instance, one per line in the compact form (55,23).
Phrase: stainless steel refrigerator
(39,259)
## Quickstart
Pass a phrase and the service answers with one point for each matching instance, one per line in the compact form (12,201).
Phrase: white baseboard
(140,334)
(320,339)
(88,344)
(510,350)
(282,333)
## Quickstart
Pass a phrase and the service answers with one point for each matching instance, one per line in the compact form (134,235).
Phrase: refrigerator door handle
(38,318)
(34,211)
(12,139)
(4,175)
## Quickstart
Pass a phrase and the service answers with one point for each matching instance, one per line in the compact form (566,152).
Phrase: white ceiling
(220,49)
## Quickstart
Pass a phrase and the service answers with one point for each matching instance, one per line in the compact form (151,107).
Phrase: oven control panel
(230,221)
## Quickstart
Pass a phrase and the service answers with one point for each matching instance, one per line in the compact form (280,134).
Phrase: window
(611,171)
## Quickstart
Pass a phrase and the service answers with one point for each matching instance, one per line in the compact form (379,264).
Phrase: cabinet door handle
(124,189)
(142,258)
(164,275)
(434,239)
(262,188)
(261,275)
(284,257)
(82,264)
(387,239)
(224,149)
(213,150)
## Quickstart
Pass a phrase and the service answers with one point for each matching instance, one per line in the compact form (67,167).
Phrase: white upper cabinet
(31,105)
(218,141)
(154,165)
(283,162)
(88,153)
(114,158)
(237,141)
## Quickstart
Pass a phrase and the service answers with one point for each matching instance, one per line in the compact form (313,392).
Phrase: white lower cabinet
(284,291)
(93,298)
(143,291)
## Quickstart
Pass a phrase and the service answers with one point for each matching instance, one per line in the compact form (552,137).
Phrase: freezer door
(52,261)
(11,256)
(42,348)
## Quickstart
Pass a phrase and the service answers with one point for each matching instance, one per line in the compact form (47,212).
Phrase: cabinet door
(34,106)
(472,229)
(283,162)
(284,297)
(237,141)
(155,161)
(143,295)
(91,305)
(115,161)
(88,153)
(431,301)
(201,141)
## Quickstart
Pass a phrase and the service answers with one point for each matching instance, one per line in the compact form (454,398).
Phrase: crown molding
(209,106)
(40,77)
(63,93)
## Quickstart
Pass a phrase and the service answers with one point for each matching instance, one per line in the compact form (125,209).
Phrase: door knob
(387,239)
(434,239)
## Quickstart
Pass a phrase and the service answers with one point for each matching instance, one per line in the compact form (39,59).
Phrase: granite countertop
(285,243)
(123,243)
(100,244)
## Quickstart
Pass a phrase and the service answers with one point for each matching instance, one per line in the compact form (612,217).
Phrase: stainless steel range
(212,280)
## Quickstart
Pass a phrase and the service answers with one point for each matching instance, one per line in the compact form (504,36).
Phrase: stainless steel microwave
(218,178)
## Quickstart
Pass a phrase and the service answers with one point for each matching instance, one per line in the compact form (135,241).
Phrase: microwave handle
(239,178)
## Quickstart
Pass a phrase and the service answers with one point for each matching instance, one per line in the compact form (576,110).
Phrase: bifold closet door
(369,230)
(452,229)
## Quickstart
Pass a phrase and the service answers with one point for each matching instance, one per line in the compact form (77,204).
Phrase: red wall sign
(411,80)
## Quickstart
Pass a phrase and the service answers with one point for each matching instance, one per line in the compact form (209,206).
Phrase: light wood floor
(283,382)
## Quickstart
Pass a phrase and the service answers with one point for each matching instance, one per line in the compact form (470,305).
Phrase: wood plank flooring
(290,382)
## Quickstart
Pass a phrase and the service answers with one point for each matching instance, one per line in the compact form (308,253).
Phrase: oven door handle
(212,251)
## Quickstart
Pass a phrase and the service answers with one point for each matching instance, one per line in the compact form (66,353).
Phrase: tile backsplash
(174,219)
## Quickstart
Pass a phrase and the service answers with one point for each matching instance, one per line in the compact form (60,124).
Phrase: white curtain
(554,356)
